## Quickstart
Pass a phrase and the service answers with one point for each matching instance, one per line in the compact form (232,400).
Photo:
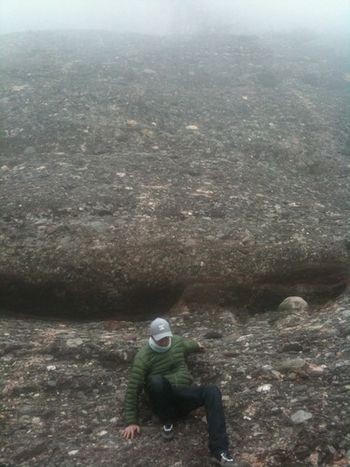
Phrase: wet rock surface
(285,389)
(137,172)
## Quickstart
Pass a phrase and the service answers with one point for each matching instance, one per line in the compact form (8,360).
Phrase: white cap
(160,328)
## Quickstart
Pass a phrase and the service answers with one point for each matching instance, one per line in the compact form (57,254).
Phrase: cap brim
(160,336)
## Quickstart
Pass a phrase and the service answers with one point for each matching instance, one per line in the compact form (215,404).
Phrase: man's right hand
(130,431)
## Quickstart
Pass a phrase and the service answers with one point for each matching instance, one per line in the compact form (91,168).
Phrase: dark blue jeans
(170,402)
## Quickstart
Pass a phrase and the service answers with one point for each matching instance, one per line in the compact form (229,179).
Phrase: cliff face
(137,172)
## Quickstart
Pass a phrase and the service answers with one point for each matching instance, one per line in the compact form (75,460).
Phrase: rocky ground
(284,376)
(201,178)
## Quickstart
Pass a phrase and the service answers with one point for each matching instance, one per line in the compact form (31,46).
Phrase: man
(160,367)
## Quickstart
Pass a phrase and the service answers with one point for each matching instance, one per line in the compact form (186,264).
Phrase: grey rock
(75,342)
(301,416)
(292,364)
(293,304)
(26,410)
(29,151)
(51,383)
(346,313)
(213,335)
(292,347)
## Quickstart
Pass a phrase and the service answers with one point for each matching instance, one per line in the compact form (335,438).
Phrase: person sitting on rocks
(160,368)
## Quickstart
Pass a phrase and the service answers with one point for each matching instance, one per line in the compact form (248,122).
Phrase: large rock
(292,304)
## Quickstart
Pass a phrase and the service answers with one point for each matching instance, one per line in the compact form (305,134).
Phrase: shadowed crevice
(141,301)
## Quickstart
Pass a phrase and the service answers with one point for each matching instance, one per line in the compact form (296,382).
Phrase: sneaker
(168,431)
(224,458)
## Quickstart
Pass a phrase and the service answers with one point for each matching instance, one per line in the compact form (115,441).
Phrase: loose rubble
(285,389)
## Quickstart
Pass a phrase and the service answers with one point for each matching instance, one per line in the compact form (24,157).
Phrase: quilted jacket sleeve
(190,346)
(136,381)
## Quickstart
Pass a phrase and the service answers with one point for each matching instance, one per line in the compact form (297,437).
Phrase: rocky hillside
(204,179)
(137,172)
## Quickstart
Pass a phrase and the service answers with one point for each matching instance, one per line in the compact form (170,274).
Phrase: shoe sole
(215,461)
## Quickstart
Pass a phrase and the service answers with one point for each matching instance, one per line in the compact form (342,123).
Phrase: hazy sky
(172,16)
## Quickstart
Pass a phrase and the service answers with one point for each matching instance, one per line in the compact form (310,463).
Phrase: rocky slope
(284,378)
(137,172)
(204,179)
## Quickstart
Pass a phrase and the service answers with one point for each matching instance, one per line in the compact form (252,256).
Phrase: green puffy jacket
(170,364)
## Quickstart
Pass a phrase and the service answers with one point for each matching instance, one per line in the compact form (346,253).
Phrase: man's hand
(131,431)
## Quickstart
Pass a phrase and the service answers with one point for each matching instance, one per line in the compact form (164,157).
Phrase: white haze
(176,16)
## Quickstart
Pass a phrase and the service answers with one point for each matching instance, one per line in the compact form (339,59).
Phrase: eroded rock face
(138,174)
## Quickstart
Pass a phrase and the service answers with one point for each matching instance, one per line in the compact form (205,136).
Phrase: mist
(176,17)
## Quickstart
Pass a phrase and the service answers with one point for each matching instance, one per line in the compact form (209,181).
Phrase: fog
(176,16)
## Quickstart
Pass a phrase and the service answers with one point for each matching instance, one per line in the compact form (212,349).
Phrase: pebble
(71,343)
(301,416)
(292,364)
(52,383)
(73,452)
(292,347)
(264,388)
(212,335)
(346,313)
(51,367)
(29,150)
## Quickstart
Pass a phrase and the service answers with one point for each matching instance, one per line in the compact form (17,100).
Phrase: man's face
(162,342)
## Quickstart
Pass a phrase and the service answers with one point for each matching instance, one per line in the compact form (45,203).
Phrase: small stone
(26,409)
(52,383)
(76,342)
(293,304)
(102,433)
(73,452)
(29,151)
(292,364)
(264,388)
(301,416)
(51,367)
(192,127)
(346,313)
(132,122)
(292,347)
(212,335)
(5,168)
